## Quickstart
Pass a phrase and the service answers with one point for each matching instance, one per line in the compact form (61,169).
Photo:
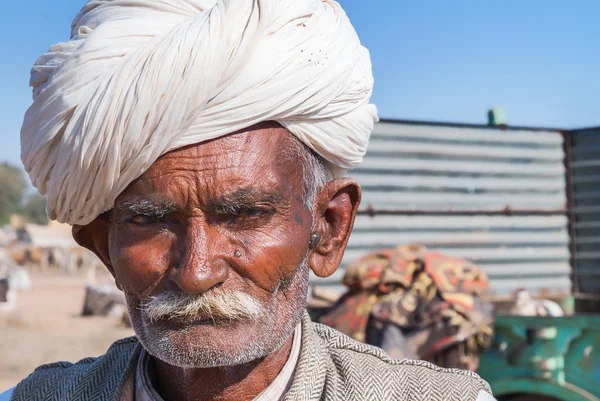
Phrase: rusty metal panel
(585,182)
(495,196)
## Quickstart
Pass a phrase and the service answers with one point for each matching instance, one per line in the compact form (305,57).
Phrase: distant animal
(15,279)
(25,254)
(18,279)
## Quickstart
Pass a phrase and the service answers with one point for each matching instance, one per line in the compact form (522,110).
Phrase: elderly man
(197,149)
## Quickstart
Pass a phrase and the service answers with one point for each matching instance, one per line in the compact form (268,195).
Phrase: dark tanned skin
(226,213)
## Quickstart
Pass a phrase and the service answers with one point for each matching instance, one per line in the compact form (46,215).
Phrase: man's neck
(235,383)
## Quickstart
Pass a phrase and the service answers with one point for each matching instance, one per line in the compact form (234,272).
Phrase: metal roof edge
(585,129)
(472,125)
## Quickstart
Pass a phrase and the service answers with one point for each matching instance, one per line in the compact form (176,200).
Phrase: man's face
(210,248)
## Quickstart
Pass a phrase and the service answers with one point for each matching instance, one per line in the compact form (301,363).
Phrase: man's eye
(243,216)
(251,212)
(143,219)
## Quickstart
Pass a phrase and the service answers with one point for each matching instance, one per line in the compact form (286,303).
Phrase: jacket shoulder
(76,381)
(363,368)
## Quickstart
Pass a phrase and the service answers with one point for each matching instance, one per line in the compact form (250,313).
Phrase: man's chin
(204,344)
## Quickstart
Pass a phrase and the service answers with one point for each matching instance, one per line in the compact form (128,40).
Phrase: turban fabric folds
(140,78)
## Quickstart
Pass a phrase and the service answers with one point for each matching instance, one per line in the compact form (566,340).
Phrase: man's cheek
(139,269)
(269,267)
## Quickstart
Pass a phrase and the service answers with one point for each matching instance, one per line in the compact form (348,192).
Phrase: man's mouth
(198,320)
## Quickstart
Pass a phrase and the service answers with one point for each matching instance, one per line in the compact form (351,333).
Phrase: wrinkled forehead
(251,159)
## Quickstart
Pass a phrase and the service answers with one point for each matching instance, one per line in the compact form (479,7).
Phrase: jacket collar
(311,372)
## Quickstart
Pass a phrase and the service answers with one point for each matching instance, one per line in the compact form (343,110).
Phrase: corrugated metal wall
(585,181)
(449,187)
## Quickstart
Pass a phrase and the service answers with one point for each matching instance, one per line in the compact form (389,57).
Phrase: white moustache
(234,306)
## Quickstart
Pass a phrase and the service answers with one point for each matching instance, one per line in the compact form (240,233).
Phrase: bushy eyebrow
(147,207)
(244,199)
(234,202)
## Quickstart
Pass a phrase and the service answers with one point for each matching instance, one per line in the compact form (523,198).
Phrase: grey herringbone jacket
(331,367)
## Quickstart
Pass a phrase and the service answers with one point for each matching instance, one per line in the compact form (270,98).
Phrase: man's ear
(94,236)
(335,210)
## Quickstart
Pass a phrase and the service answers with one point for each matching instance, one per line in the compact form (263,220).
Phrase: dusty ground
(46,327)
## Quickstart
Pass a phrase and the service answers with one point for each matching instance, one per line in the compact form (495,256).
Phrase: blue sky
(432,60)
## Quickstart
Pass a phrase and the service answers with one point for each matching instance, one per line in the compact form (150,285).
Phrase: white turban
(140,78)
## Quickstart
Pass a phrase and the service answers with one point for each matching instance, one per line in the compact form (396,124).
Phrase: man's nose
(198,268)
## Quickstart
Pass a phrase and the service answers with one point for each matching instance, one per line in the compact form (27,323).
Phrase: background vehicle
(553,357)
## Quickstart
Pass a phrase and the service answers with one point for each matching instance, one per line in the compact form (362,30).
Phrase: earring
(315,239)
